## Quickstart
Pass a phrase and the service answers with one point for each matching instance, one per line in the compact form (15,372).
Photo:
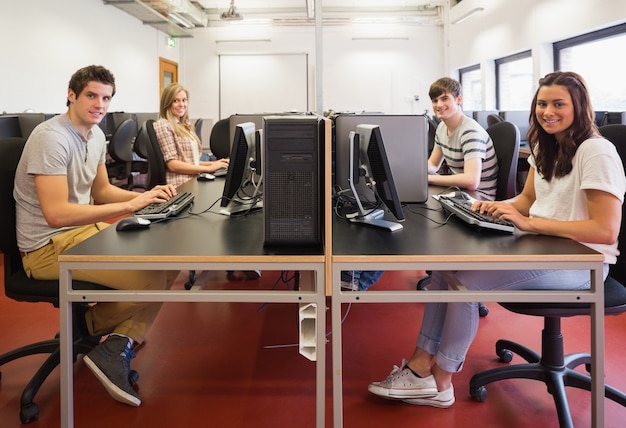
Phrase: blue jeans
(448,329)
(365,278)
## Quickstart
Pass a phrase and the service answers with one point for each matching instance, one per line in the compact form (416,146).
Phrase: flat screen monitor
(406,143)
(242,187)
(368,158)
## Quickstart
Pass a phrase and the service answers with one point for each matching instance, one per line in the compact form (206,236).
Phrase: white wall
(507,27)
(45,41)
(371,75)
(54,38)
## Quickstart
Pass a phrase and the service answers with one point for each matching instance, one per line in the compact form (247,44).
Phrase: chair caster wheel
(505,355)
(29,412)
(483,310)
(423,283)
(479,394)
(133,377)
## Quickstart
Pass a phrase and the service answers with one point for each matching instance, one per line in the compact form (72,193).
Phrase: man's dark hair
(445,85)
(91,73)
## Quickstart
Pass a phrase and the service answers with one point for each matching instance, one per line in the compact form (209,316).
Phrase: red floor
(237,365)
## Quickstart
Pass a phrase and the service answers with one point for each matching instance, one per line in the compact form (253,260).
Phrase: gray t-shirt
(55,147)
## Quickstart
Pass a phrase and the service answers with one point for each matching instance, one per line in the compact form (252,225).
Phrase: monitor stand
(375,218)
(237,207)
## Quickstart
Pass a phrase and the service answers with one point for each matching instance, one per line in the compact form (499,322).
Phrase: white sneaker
(402,383)
(443,399)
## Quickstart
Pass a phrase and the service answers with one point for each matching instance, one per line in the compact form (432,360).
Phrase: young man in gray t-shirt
(61,170)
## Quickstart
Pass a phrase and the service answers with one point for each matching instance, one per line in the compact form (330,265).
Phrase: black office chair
(220,138)
(505,137)
(432,128)
(493,118)
(156,163)
(552,367)
(157,169)
(120,150)
(19,287)
(198,128)
(617,135)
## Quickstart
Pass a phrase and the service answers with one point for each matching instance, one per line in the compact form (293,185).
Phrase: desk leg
(597,354)
(66,355)
(337,352)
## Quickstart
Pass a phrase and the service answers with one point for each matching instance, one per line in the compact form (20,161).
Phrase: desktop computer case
(293,180)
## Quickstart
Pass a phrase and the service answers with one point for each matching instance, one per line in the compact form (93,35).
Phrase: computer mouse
(132,223)
(205,176)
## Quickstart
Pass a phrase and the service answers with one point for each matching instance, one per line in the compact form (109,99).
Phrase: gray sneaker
(110,362)
(402,383)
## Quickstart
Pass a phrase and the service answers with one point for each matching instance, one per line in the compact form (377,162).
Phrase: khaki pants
(132,319)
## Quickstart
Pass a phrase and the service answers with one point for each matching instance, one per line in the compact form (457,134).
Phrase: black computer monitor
(242,188)
(368,158)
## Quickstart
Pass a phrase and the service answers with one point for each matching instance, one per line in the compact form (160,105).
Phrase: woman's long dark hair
(555,159)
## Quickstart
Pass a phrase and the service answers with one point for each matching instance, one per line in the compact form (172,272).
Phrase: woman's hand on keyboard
(501,210)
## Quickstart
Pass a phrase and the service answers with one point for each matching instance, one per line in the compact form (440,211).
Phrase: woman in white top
(575,189)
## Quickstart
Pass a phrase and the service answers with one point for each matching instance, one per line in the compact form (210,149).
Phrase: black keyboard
(462,208)
(170,208)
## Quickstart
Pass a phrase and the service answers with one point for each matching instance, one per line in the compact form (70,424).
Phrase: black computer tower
(293,180)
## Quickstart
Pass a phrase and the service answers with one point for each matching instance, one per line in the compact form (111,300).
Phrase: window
(471,82)
(598,58)
(514,82)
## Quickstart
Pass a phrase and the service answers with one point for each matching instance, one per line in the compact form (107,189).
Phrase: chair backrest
(506,139)
(617,135)
(198,127)
(519,118)
(432,128)
(156,163)
(17,285)
(493,118)
(142,140)
(220,138)
(120,146)
(10,153)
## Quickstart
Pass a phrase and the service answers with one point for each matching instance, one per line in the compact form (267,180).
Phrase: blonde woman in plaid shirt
(178,140)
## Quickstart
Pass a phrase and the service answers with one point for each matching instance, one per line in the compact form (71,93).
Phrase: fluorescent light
(468,15)
(180,20)
(310,9)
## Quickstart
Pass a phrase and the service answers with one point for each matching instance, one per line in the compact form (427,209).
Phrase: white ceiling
(179,17)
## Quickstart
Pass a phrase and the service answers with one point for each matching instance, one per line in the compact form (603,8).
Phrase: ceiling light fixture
(468,15)
(180,20)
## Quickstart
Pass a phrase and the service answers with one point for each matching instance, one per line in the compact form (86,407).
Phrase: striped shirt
(469,140)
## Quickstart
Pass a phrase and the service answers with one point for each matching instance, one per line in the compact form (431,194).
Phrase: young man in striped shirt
(462,143)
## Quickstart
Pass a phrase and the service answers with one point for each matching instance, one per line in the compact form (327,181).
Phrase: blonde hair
(183,127)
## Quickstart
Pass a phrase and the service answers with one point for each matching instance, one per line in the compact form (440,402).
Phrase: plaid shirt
(185,149)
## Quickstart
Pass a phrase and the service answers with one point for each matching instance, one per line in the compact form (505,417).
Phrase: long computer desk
(425,245)
(203,242)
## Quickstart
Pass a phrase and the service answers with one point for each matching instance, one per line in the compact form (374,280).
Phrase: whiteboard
(263,83)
